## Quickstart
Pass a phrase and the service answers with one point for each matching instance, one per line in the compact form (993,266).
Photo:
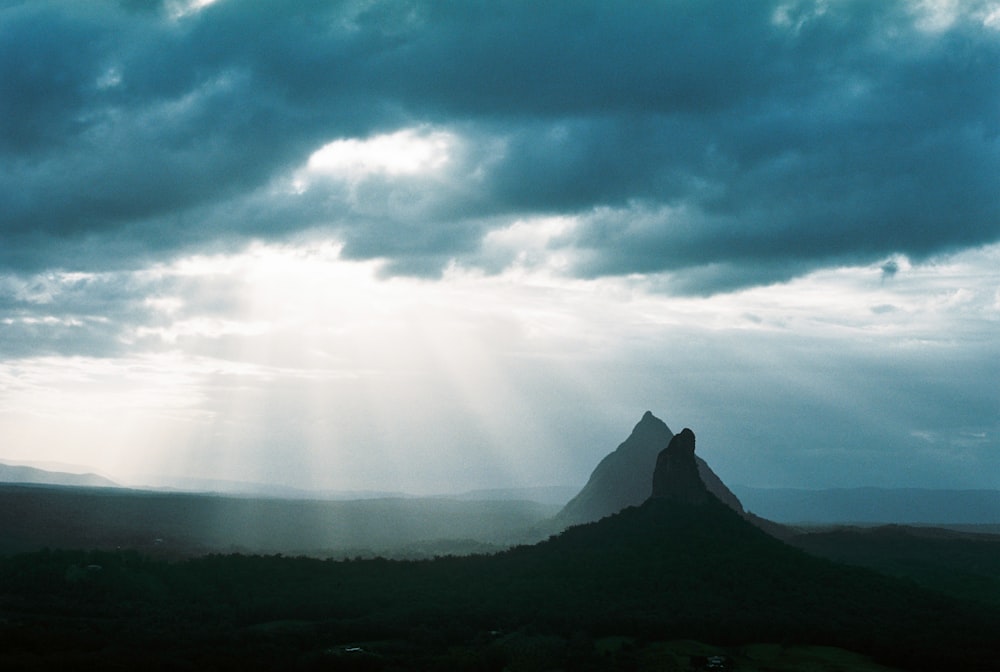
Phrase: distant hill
(874,505)
(962,564)
(556,494)
(22,474)
(549,495)
(624,477)
(219,486)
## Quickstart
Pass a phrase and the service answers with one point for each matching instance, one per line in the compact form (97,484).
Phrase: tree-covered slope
(961,564)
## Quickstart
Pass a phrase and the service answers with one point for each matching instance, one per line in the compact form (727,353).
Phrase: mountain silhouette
(676,475)
(684,564)
(623,477)
(10,473)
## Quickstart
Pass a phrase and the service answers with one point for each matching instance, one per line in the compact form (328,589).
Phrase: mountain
(676,475)
(31,475)
(555,495)
(622,478)
(684,564)
(230,488)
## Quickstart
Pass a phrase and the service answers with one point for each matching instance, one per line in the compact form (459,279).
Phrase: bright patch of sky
(179,9)
(402,152)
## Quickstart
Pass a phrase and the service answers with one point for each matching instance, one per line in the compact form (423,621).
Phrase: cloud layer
(723,144)
(418,244)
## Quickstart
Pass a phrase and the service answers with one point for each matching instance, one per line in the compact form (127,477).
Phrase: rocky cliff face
(676,476)
(681,476)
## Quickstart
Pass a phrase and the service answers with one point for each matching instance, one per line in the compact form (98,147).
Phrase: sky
(430,247)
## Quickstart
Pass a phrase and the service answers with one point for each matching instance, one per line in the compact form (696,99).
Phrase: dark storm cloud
(729,143)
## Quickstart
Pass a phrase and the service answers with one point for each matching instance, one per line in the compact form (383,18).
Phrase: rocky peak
(676,475)
(650,424)
(621,479)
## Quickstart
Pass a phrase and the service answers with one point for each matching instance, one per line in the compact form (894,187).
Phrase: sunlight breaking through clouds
(293,351)
(387,246)
(410,151)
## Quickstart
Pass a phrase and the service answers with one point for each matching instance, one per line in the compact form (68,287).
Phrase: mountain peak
(621,479)
(676,475)
(650,424)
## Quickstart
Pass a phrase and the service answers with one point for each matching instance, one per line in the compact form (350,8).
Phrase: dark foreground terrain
(634,591)
(961,564)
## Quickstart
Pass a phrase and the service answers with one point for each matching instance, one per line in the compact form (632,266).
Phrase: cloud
(67,313)
(733,144)
(291,359)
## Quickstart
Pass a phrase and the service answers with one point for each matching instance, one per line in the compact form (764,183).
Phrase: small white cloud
(109,79)
(167,305)
(178,9)
(526,243)
(203,327)
(794,15)
(52,321)
(991,16)
(936,15)
(406,152)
